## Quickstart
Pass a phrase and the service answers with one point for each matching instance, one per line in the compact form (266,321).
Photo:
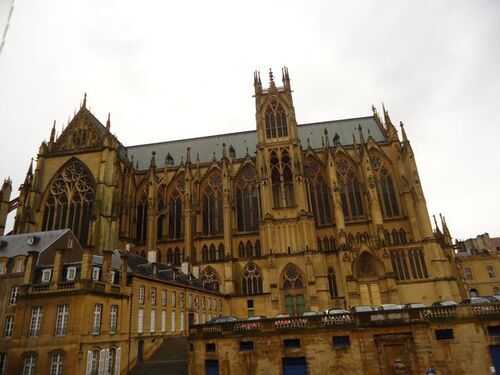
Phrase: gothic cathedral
(283,218)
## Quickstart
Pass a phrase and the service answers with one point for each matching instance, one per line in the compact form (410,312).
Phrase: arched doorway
(293,290)
(368,279)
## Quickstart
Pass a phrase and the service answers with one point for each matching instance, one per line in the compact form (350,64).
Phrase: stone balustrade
(364,319)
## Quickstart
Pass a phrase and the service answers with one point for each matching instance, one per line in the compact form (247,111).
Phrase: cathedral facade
(283,218)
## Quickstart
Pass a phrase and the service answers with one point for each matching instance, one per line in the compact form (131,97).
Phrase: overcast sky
(176,69)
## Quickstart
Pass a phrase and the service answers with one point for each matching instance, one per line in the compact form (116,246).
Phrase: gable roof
(17,244)
(210,146)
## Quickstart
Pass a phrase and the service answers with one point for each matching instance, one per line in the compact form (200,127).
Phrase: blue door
(294,366)
(495,357)
(212,366)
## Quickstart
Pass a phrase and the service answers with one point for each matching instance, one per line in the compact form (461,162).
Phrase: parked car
(282,315)
(361,309)
(415,305)
(311,313)
(475,301)
(222,319)
(257,317)
(494,298)
(390,307)
(336,312)
(448,303)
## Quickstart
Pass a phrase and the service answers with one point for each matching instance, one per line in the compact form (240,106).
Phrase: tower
(286,226)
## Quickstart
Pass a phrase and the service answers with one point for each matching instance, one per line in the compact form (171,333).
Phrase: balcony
(348,320)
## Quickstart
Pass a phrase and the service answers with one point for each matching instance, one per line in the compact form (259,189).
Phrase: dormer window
(96,273)
(71,273)
(112,277)
(46,275)
(19,267)
(33,240)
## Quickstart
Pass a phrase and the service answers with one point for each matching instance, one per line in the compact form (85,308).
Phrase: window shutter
(102,360)
(106,362)
(118,361)
(88,371)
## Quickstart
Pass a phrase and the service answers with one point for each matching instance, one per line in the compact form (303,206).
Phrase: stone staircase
(170,358)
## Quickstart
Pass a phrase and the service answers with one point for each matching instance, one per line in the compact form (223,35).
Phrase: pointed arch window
(212,210)
(204,253)
(142,219)
(350,192)
(293,286)
(385,187)
(169,222)
(170,256)
(212,252)
(282,180)
(247,201)
(251,280)
(276,123)
(249,249)
(177,256)
(292,278)
(332,284)
(210,279)
(318,195)
(258,252)
(175,227)
(220,251)
(241,250)
(70,201)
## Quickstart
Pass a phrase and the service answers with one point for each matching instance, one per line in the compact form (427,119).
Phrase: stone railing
(364,319)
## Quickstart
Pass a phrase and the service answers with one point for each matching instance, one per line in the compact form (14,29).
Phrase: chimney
(106,265)
(56,270)
(29,271)
(123,269)
(86,271)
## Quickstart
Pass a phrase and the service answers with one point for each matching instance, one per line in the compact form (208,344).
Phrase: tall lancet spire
(403,132)
(108,123)
(257,84)
(271,79)
(53,133)
(84,104)
(285,78)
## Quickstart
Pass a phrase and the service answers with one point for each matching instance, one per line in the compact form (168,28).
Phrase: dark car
(415,305)
(444,304)
(361,309)
(475,301)
(222,319)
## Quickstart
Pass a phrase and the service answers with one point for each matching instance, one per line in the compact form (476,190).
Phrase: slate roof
(205,147)
(17,244)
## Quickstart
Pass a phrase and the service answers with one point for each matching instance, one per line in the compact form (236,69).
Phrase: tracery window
(142,219)
(212,210)
(170,223)
(70,200)
(282,180)
(276,124)
(292,279)
(247,201)
(210,279)
(251,280)
(385,188)
(350,191)
(318,194)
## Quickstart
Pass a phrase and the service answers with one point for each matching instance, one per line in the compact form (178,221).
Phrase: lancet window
(247,201)
(282,180)
(350,191)
(70,200)
(332,284)
(142,219)
(276,124)
(251,280)
(177,256)
(385,188)
(170,223)
(210,279)
(319,195)
(212,208)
